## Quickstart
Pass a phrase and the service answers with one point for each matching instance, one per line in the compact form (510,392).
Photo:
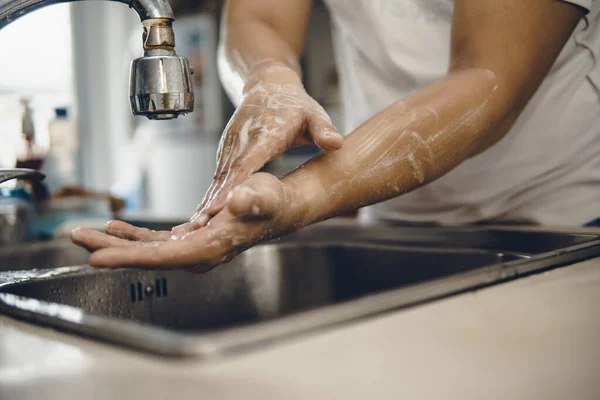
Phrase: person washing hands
(484,111)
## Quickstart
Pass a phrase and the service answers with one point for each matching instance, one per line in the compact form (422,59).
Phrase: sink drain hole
(161,287)
(136,290)
(132,292)
(140,291)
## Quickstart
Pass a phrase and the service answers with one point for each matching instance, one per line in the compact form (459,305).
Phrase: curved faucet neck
(19,173)
(11,10)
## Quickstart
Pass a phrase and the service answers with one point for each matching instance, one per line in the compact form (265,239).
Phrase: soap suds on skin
(416,168)
(466,119)
(264,128)
(285,96)
(244,134)
(406,145)
(416,136)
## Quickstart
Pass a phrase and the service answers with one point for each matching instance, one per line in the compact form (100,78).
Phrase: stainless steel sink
(40,255)
(316,278)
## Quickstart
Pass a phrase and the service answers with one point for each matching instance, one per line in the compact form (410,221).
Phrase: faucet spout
(160,82)
(19,173)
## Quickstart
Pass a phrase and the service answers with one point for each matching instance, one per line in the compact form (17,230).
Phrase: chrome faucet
(160,85)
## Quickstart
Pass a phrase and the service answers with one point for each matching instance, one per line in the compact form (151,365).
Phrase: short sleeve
(585,4)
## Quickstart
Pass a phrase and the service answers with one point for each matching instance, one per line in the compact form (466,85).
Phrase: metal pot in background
(16,206)
(14,222)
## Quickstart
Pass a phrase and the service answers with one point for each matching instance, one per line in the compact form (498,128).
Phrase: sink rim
(210,345)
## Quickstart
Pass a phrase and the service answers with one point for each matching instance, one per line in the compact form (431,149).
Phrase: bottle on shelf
(29,155)
(62,150)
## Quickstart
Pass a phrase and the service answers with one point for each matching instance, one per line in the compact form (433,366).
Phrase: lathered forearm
(405,146)
(247,47)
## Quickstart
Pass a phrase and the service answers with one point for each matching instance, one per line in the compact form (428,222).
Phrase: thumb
(322,131)
(259,197)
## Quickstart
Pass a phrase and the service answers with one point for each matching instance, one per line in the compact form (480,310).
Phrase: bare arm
(260,32)
(501,52)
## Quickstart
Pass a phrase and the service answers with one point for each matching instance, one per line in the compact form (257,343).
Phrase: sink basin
(316,278)
(59,252)
(40,255)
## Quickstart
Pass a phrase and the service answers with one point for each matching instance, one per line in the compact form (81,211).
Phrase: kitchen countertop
(533,338)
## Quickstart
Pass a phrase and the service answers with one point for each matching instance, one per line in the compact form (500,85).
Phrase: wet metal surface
(317,278)
(41,255)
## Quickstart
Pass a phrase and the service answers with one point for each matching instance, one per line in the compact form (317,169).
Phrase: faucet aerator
(161,87)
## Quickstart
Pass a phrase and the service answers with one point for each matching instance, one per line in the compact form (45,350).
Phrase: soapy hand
(276,114)
(254,212)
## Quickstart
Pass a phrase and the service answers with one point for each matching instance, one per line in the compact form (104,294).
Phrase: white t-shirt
(545,170)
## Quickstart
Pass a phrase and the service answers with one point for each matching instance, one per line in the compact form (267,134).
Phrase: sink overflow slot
(136,290)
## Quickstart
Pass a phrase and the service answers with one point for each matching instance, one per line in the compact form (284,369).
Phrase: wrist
(272,72)
(303,203)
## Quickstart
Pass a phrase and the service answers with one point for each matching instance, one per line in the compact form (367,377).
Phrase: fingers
(236,137)
(124,230)
(259,151)
(93,240)
(182,230)
(162,254)
(260,197)
(226,153)
(322,131)
(189,252)
(113,252)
